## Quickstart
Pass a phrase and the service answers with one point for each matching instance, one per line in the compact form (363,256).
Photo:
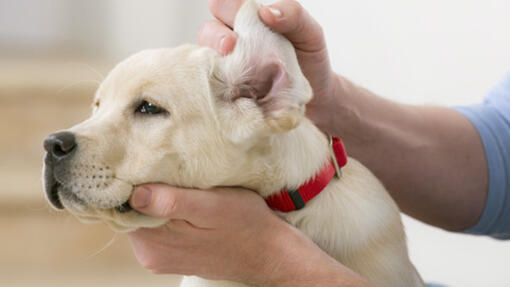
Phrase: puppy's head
(182,116)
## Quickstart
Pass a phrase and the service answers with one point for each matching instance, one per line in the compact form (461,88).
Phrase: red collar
(291,200)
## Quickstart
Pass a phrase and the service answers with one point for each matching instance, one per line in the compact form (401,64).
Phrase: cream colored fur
(211,138)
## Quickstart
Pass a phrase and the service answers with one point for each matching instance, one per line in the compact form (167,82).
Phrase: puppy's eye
(149,108)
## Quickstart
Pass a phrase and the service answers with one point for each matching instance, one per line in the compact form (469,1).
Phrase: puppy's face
(183,116)
(153,120)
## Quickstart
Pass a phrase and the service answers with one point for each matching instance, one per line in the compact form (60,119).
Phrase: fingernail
(142,197)
(221,46)
(277,13)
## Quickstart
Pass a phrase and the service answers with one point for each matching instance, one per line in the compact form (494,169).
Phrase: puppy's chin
(122,223)
(118,221)
(125,225)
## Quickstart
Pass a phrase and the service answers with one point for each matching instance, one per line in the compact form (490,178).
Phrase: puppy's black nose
(60,145)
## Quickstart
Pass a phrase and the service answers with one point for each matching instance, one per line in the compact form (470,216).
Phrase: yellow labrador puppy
(190,118)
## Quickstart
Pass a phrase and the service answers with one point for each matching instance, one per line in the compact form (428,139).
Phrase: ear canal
(270,77)
(265,84)
(263,68)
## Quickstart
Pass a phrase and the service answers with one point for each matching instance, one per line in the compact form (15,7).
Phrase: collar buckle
(338,170)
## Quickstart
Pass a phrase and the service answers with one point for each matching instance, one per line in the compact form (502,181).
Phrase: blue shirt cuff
(495,134)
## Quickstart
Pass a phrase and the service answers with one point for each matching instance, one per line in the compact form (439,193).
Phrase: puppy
(188,117)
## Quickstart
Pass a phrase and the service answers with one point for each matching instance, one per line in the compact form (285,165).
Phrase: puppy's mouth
(60,195)
(52,186)
(57,191)
(53,196)
(123,208)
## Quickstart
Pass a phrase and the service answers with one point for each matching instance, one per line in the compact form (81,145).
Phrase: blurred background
(54,53)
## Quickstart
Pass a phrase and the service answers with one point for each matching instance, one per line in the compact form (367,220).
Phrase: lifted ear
(263,69)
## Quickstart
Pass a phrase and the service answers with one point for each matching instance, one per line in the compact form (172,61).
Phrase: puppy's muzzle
(60,148)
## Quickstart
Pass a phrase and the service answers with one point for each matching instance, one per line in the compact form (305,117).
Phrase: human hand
(290,19)
(216,234)
(228,234)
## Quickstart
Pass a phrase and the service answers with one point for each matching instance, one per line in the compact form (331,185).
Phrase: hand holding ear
(228,234)
(290,19)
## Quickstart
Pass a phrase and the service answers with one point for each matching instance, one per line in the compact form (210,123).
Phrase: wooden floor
(39,246)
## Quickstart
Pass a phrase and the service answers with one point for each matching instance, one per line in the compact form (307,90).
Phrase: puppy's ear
(262,76)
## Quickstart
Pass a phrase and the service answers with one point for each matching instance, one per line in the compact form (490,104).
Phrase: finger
(139,246)
(225,10)
(148,253)
(162,257)
(198,207)
(216,35)
(289,18)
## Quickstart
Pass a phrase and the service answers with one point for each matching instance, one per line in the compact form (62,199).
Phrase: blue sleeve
(492,120)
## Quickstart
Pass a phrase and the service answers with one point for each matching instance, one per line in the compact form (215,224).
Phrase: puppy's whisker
(106,246)
(89,67)
(123,180)
(77,83)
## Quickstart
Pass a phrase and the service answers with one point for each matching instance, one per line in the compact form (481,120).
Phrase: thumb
(163,201)
(289,18)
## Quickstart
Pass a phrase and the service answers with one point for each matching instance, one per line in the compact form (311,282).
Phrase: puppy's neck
(289,161)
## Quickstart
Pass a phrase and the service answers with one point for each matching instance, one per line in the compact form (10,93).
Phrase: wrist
(294,260)
(335,112)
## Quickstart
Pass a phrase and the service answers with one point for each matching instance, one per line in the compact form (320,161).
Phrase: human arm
(229,234)
(431,159)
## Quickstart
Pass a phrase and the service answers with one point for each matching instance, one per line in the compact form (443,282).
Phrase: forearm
(431,159)
(297,261)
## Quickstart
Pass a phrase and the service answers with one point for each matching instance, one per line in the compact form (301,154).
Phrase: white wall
(27,23)
(419,51)
(102,28)
(39,27)
(136,25)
